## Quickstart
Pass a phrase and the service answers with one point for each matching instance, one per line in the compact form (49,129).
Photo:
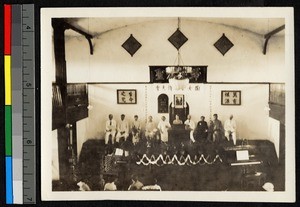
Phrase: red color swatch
(7,29)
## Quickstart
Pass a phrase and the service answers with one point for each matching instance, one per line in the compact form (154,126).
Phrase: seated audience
(135,136)
(135,130)
(163,127)
(150,131)
(177,120)
(123,129)
(101,182)
(109,160)
(83,186)
(136,124)
(201,130)
(269,187)
(230,129)
(111,186)
(190,125)
(154,187)
(136,184)
(216,129)
(110,129)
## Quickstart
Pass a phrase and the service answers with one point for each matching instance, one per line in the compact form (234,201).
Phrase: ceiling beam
(269,35)
(86,35)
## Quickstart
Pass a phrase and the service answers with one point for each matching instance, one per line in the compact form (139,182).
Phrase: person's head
(150,118)
(110,116)
(163,118)
(110,178)
(115,180)
(133,188)
(134,131)
(189,117)
(122,116)
(215,116)
(269,187)
(202,118)
(231,117)
(136,117)
(110,150)
(134,178)
(176,117)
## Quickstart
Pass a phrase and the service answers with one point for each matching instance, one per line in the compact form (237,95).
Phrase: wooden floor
(219,176)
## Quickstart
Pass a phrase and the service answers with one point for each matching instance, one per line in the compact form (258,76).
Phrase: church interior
(173,70)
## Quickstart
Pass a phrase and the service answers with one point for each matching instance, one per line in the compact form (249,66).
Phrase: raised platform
(179,174)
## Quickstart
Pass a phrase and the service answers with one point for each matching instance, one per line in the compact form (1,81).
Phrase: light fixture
(178,74)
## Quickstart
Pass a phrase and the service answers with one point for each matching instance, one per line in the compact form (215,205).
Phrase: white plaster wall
(81,138)
(81,134)
(55,165)
(274,133)
(103,99)
(245,62)
(251,117)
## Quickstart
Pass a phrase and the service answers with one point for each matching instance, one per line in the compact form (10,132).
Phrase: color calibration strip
(8,107)
(16,67)
(27,75)
(19,103)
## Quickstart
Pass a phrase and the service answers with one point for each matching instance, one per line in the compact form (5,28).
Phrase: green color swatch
(8,131)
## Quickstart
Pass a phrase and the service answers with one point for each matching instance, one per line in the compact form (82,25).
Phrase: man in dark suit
(201,130)
(216,129)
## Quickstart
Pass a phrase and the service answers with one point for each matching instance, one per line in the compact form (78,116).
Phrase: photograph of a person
(107,133)
(179,100)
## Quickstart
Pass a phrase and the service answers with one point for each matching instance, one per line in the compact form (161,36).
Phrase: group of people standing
(198,133)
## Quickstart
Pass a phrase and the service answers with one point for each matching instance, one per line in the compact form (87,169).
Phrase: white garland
(145,160)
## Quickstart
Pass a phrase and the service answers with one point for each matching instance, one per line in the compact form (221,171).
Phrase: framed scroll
(126,96)
(231,98)
(178,100)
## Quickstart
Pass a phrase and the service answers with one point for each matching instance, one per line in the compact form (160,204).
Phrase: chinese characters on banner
(162,87)
(126,96)
(159,74)
(231,98)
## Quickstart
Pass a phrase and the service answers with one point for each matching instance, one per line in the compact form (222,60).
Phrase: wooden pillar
(59,51)
(63,133)
(67,115)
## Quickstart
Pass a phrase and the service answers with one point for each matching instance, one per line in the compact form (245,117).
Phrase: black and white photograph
(193,104)
(179,100)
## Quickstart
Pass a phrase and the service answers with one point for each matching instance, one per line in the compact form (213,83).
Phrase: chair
(253,181)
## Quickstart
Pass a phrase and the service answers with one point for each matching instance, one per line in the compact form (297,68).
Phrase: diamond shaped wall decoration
(177,39)
(223,44)
(131,45)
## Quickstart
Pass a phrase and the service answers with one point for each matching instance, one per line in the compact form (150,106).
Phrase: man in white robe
(150,129)
(190,125)
(135,130)
(123,129)
(230,128)
(110,129)
(163,127)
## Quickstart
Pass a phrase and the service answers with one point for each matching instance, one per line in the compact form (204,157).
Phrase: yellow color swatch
(7,79)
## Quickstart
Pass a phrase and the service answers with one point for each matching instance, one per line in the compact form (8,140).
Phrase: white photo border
(46,110)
